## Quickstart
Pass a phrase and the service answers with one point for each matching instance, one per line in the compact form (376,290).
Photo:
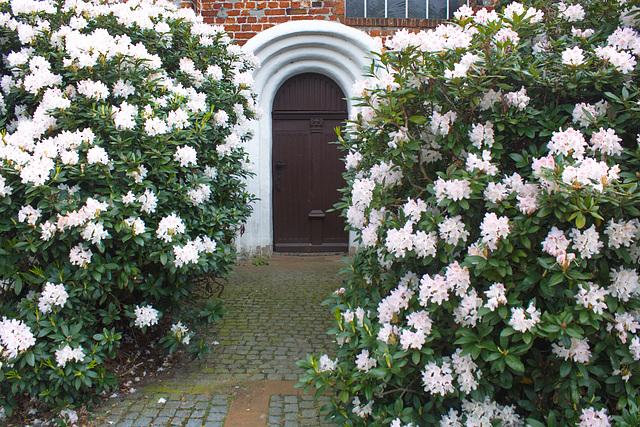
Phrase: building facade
(311,53)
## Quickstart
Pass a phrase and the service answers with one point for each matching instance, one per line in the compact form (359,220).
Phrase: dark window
(429,9)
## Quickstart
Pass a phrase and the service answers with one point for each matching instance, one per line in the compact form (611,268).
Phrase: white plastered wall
(324,47)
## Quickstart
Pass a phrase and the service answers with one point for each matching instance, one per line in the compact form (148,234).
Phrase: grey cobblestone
(263,335)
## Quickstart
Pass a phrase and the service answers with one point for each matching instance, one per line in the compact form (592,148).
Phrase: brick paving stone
(143,422)
(216,416)
(159,421)
(261,337)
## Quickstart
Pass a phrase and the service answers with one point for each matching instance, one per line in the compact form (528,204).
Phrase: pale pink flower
(399,241)
(186,155)
(587,243)
(556,242)
(66,353)
(169,226)
(622,61)
(438,380)
(607,142)
(523,321)
(578,352)
(52,295)
(356,217)
(362,192)
(441,123)
(496,192)
(352,160)
(465,368)
(595,111)
(592,298)
(592,418)
(414,208)
(145,316)
(15,337)
(364,362)
(482,134)
(80,256)
(506,34)
(493,229)
(420,320)
(518,99)
(452,230)
(568,142)
(458,277)
(425,244)
(573,56)
(455,189)
(397,300)
(622,233)
(625,284)
(496,296)
(482,164)
(97,155)
(326,364)
(29,215)
(466,314)
(434,290)
(634,348)
(410,339)
(572,13)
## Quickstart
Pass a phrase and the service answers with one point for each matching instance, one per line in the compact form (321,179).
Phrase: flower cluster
(145,316)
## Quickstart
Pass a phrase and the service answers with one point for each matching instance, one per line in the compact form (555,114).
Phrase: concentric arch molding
(325,47)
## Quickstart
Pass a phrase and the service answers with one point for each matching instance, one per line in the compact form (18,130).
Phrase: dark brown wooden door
(307,170)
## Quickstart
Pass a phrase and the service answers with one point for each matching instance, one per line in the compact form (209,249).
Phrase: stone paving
(274,319)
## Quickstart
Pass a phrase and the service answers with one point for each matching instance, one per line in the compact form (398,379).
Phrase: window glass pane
(417,9)
(454,5)
(437,9)
(375,8)
(396,9)
(354,8)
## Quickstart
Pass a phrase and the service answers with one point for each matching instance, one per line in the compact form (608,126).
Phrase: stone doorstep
(251,405)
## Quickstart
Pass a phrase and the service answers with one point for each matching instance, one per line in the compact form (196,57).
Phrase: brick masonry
(243,19)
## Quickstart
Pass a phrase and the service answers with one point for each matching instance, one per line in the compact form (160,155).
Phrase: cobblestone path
(274,319)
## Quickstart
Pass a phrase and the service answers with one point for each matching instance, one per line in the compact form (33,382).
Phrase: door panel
(307,170)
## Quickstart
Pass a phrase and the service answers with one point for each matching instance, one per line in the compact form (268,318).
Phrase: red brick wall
(243,19)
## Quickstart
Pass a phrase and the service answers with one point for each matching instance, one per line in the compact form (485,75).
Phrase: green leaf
(378,372)
(30,358)
(555,279)
(514,363)
(534,423)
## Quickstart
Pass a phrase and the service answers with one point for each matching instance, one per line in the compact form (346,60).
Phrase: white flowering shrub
(121,184)
(493,187)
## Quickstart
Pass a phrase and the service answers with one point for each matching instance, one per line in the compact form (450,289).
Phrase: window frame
(406,10)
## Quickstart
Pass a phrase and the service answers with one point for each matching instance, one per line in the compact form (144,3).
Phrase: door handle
(279,166)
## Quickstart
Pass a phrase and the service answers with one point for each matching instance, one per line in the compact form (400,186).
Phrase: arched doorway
(307,170)
(285,51)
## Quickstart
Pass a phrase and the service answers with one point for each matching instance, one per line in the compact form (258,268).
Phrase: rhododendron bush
(121,184)
(493,188)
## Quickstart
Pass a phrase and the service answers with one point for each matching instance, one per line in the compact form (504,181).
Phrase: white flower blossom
(145,316)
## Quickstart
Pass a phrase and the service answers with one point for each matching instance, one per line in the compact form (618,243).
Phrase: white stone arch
(324,47)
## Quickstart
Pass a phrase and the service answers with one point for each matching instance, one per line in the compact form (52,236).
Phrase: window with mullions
(423,9)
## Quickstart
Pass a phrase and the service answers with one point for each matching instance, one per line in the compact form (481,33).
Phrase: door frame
(323,47)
